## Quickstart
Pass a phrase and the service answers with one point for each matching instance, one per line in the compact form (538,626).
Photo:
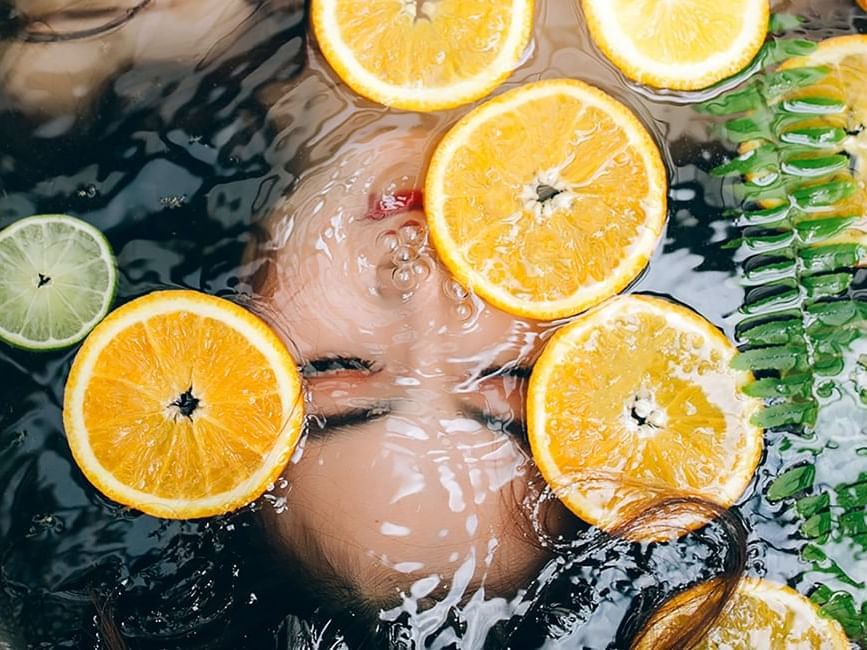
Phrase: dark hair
(552,596)
(318,606)
(303,606)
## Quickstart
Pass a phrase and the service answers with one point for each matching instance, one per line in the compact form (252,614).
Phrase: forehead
(338,280)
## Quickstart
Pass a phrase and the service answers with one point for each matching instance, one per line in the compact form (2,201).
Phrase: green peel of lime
(57,281)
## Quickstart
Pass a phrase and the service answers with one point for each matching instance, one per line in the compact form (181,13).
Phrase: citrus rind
(771,593)
(618,46)
(633,261)
(105,254)
(366,83)
(563,345)
(229,314)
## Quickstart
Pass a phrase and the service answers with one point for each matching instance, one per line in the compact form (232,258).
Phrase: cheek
(379,501)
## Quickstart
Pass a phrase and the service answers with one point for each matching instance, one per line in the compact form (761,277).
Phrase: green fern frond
(802,217)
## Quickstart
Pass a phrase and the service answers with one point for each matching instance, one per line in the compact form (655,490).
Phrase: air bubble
(412,232)
(404,254)
(464,311)
(388,240)
(454,290)
(421,268)
(404,279)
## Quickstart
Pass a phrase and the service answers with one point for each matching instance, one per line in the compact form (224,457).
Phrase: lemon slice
(547,199)
(678,44)
(761,614)
(58,281)
(423,55)
(182,405)
(636,402)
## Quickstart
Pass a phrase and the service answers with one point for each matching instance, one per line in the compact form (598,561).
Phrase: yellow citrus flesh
(636,402)
(678,44)
(761,614)
(182,405)
(547,199)
(423,55)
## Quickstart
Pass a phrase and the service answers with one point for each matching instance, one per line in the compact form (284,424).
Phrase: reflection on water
(176,161)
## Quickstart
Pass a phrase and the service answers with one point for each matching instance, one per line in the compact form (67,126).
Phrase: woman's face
(412,477)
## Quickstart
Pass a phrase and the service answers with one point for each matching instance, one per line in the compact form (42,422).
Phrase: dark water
(174,164)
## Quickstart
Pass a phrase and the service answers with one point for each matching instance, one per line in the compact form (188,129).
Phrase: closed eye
(322,425)
(514,427)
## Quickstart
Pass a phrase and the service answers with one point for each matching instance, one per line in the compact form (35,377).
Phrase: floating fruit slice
(761,614)
(57,283)
(862,4)
(824,119)
(182,405)
(636,402)
(678,44)
(547,199)
(845,58)
(423,55)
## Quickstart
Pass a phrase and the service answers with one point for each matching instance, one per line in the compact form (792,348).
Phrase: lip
(381,206)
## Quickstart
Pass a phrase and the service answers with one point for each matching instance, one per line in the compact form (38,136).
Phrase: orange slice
(547,199)
(636,402)
(761,614)
(862,4)
(182,405)
(423,55)
(678,44)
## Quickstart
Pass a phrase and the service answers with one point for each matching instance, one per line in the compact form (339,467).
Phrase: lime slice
(57,282)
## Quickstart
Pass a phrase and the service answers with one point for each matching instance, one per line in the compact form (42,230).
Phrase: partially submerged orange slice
(845,60)
(182,405)
(547,199)
(423,55)
(678,44)
(761,614)
(636,402)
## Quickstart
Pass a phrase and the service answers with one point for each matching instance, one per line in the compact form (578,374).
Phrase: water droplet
(464,311)
(412,232)
(403,278)
(422,268)
(404,254)
(387,240)
(454,290)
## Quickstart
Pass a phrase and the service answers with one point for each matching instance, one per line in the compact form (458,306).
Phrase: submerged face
(413,479)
